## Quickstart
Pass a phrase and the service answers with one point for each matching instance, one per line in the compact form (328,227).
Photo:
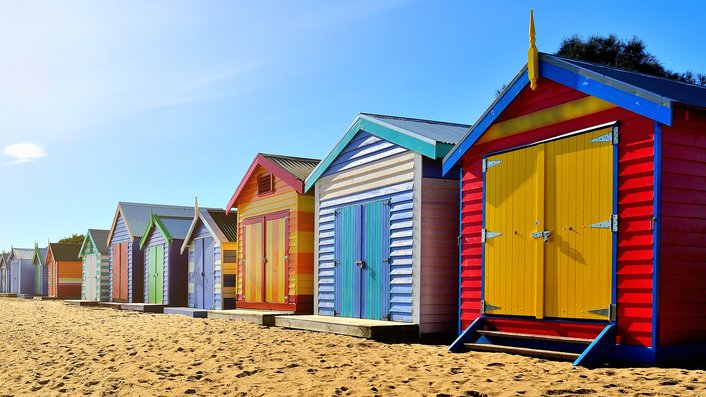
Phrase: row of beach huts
(569,222)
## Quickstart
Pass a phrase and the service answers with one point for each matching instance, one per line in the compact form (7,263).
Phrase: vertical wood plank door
(208,273)
(347,277)
(564,189)
(88,278)
(361,252)
(579,208)
(275,260)
(120,259)
(199,274)
(124,286)
(254,258)
(37,279)
(155,274)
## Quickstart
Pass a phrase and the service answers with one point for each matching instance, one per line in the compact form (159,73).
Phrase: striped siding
(191,266)
(683,231)
(439,255)
(369,169)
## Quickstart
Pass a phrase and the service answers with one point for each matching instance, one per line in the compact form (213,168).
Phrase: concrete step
(186,311)
(261,317)
(143,307)
(550,354)
(79,302)
(362,328)
(112,305)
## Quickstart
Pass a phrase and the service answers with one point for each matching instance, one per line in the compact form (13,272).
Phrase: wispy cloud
(24,152)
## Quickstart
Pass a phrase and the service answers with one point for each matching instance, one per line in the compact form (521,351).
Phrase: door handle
(264,260)
(543,234)
(360,264)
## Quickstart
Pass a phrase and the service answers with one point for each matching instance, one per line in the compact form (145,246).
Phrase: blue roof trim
(630,101)
(500,104)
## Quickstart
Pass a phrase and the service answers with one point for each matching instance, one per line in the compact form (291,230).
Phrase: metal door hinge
(543,234)
(458,240)
(335,263)
(610,312)
(486,235)
(360,264)
(335,313)
(611,224)
(387,317)
(485,306)
(492,163)
(612,136)
(386,260)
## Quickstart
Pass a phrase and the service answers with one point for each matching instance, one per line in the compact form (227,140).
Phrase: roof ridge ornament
(532,56)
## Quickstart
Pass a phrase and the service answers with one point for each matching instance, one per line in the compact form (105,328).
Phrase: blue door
(362,270)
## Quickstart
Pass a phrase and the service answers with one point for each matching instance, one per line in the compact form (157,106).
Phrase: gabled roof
(4,257)
(21,253)
(292,170)
(223,227)
(171,227)
(137,215)
(99,239)
(432,139)
(649,96)
(39,254)
(64,252)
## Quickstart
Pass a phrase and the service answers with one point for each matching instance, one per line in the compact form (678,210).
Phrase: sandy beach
(48,348)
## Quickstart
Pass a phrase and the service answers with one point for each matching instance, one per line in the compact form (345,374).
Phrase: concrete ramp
(79,302)
(143,307)
(370,329)
(26,296)
(111,305)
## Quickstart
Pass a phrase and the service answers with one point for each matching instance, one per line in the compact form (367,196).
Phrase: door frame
(614,259)
(263,219)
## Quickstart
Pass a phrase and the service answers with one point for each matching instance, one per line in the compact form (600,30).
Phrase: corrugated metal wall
(369,168)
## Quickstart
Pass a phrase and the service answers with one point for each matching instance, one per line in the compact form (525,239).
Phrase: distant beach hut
(21,271)
(276,221)
(64,270)
(41,273)
(95,272)
(165,266)
(126,258)
(583,216)
(5,275)
(212,247)
(387,223)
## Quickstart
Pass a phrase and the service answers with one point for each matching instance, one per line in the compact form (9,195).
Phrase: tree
(73,239)
(623,54)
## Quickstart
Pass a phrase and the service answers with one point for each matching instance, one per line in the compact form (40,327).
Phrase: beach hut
(5,273)
(583,216)
(212,247)
(276,219)
(165,266)
(387,224)
(21,271)
(126,257)
(41,273)
(95,272)
(63,270)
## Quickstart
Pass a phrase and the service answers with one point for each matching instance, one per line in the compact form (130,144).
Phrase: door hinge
(486,235)
(611,224)
(335,313)
(485,306)
(458,240)
(335,263)
(612,136)
(610,312)
(492,163)
(386,260)
(387,317)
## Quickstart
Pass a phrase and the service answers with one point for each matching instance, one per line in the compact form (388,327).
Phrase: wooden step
(550,354)
(546,338)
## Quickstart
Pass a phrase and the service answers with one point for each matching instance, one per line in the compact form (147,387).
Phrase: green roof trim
(156,222)
(408,140)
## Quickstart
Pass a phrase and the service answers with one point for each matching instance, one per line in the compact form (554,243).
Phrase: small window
(264,184)
(229,256)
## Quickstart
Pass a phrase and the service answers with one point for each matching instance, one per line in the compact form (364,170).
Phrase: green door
(155,275)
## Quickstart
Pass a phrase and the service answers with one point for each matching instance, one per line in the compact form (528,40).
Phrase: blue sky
(161,101)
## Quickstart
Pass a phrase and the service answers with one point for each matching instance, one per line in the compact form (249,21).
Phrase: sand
(49,348)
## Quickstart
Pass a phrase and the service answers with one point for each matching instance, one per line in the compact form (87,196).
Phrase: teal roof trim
(408,140)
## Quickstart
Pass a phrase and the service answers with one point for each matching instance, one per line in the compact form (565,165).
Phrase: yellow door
(276,267)
(548,239)
(578,274)
(513,208)
(252,273)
